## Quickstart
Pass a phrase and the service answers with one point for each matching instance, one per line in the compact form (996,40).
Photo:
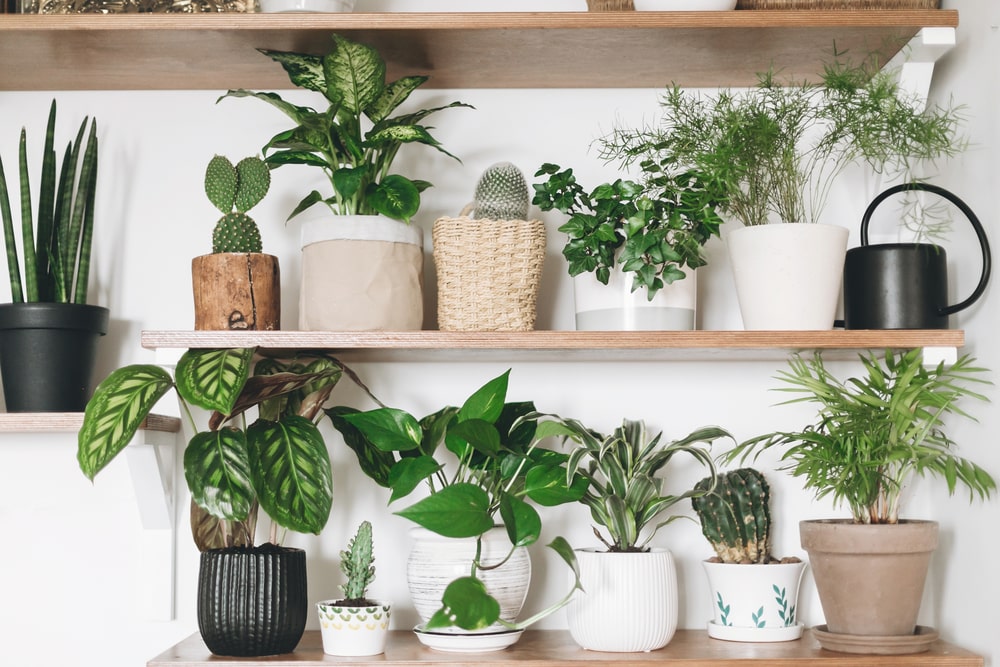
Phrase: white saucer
(743,634)
(473,642)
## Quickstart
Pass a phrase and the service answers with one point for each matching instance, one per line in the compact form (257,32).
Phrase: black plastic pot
(252,601)
(47,354)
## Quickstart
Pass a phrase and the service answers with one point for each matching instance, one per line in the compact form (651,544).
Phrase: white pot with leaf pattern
(353,631)
(754,602)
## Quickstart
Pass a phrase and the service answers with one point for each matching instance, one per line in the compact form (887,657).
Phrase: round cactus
(735,516)
(236,232)
(502,193)
(234,190)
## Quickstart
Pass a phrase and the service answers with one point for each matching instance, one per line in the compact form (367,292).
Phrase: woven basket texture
(610,5)
(838,4)
(488,273)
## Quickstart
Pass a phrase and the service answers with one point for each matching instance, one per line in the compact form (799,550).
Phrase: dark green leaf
(458,510)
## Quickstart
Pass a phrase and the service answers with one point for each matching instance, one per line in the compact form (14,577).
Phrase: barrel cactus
(356,564)
(502,193)
(735,516)
(234,190)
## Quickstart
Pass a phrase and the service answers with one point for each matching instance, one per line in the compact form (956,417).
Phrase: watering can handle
(964,208)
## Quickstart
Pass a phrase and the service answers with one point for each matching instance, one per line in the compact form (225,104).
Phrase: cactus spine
(735,516)
(234,190)
(357,564)
(502,193)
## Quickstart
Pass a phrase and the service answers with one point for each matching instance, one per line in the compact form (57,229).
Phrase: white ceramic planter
(353,631)
(436,561)
(615,307)
(629,601)
(756,603)
(788,276)
(361,273)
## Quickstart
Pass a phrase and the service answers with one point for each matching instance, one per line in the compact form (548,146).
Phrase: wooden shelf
(559,345)
(555,648)
(458,50)
(69,422)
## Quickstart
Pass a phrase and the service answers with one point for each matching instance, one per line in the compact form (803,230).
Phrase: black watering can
(904,285)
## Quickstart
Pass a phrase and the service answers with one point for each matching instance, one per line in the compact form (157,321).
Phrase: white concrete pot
(615,307)
(788,276)
(361,273)
(629,602)
(353,631)
(436,561)
(755,603)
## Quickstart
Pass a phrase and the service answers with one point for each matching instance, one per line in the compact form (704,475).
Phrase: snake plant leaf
(408,473)
(374,462)
(394,196)
(119,405)
(390,429)
(458,510)
(213,378)
(354,74)
(291,472)
(521,520)
(217,470)
(466,603)
(13,263)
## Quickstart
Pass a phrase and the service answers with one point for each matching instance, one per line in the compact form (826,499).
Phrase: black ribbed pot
(47,354)
(252,601)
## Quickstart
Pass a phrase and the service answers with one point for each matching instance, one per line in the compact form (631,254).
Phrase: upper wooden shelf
(559,345)
(457,50)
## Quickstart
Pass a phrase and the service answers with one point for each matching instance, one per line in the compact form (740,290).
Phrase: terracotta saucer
(918,642)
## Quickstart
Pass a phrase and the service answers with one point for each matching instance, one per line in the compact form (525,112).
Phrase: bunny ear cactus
(502,193)
(234,190)
(735,515)
(357,564)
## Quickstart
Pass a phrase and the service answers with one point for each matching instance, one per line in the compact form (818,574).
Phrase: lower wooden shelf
(555,648)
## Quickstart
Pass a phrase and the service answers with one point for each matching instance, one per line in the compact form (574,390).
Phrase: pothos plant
(355,139)
(278,462)
(653,229)
(481,465)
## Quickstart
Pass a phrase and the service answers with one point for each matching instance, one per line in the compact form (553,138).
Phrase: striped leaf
(291,472)
(213,379)
(119,405)
(217,470)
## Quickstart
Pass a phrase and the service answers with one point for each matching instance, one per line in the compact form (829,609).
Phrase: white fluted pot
(629,601)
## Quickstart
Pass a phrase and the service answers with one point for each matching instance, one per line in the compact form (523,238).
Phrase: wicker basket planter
(488,273)
(838,4)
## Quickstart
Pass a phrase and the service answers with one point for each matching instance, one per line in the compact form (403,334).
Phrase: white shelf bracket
(932,356)
(915,62)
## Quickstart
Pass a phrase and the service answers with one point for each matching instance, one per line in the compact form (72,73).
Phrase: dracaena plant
(626,490)
(354,139)
(481,465)
(872,434)
(278,463)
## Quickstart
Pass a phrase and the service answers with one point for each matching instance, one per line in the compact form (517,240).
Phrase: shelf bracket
(932,356)
(915,63)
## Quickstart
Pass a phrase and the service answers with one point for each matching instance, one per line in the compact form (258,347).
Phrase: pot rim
(334,603)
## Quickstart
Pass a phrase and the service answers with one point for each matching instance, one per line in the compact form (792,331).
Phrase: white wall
(73,549)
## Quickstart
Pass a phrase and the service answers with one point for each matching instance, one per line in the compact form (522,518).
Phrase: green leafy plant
(56,239)
(279,462)
(234,190)
(501,193)
(497,468)
(357,564)
(873,433)
(354,140)
(735,515)
(625,492)
(652,229)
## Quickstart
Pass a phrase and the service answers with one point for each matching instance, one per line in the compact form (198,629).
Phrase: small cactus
(502,193)
(735,517)
(234,190)
(357,564)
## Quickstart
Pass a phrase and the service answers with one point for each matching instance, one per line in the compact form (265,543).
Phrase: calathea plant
(234,190)
(354,140)
(498,468)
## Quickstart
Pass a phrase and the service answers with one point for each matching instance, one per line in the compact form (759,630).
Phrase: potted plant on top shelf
(49,333)
(480,464)
(872,435)
(353,142)
(279,463)
(654,229)
(629,597)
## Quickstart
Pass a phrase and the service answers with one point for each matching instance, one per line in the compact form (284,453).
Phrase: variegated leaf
(213,379)
(217,470)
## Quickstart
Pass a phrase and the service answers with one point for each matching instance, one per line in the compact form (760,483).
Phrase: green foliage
(502,193)
(498,468)
(280,461)
(873,433)
(735,515)
(624,492)
(55,240)
(354,140)
(234,190)
(356,562)
(651,229)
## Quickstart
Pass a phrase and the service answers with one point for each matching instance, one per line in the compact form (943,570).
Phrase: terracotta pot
(236,291)
(870,578)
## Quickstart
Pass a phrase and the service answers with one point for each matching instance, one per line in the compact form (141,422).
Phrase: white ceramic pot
(278,6)
(615,307)
(361,273)
(755,603)
(628,602)
(788,276)
(683,5)
(436,561)
(353,631)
